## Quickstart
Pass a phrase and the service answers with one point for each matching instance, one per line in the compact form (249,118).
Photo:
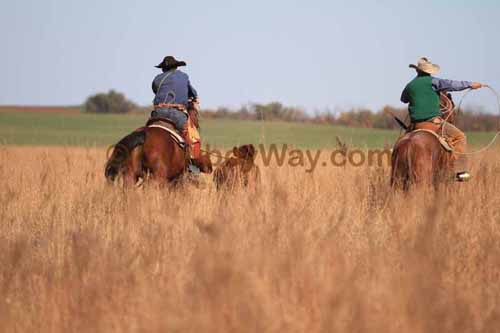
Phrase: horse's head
(245,152)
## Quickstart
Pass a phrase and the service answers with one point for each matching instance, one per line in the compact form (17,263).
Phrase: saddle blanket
(169,128)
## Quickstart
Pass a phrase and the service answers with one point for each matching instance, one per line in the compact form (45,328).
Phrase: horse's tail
(121,152)
(401,164)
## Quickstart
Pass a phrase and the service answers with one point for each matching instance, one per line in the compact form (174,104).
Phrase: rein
(220,155)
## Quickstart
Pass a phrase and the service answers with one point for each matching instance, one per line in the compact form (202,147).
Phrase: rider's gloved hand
(476,85)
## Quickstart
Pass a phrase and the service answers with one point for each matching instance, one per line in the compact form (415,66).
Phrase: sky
(310,54)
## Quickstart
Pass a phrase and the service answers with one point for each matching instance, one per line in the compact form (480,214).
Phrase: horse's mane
(194,114)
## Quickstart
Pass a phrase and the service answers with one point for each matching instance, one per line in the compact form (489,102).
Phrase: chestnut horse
(152,150)
(419,158)
(165,159)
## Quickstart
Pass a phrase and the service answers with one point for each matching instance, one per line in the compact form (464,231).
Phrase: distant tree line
(469,120)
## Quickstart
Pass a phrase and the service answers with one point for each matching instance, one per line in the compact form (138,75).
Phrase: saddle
(432,127)
(442,140)
(189,139)
(168,126)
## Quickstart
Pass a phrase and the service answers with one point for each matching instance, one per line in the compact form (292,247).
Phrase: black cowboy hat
(170,62)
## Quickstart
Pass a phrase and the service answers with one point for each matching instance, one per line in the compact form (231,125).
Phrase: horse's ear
(251,151)
(247,152)
(243,152)
(236,152)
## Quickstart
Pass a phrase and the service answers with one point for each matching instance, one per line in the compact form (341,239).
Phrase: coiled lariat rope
(457,111)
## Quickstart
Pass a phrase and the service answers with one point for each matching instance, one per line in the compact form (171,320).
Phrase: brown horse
(419,158)
(165,159)
(151,150)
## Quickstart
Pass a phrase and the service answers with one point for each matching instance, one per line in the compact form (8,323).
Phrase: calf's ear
(251,151)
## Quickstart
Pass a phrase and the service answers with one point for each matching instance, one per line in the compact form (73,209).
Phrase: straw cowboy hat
(424,65)
(170,62)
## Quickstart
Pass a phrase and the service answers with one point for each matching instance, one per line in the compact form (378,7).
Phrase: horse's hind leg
(160,175)
(159,171)
(423,173)
(133,168)
(399,172)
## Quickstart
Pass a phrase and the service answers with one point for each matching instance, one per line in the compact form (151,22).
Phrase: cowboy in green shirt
(422,95)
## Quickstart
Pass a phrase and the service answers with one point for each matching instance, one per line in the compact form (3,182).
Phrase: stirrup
(193,168)
(463,176)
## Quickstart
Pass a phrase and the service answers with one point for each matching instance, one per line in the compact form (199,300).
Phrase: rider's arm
(155,89)
(191,91)
(450,85)
(404,97)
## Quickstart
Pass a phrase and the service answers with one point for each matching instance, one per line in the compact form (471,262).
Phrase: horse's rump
(168,126)
(419,157)
(189,138)
(442,140)
(163,155)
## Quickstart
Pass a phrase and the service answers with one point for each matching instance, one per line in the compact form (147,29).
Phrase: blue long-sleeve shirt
(441,85)
(173,87)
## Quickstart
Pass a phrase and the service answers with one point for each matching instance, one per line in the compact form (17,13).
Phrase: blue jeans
(179,118)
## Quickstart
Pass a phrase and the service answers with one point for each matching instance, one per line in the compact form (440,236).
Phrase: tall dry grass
(331,251)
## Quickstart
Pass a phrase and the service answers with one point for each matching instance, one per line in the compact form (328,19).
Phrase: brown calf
(239,170)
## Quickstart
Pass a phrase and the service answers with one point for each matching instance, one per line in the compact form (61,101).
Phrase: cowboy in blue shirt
(172,91)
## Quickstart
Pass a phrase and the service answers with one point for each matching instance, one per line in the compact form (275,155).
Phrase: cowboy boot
(463,176)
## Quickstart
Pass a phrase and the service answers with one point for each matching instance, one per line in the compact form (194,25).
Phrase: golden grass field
(330,251)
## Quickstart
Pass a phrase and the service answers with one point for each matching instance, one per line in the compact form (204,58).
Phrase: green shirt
(423,99)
